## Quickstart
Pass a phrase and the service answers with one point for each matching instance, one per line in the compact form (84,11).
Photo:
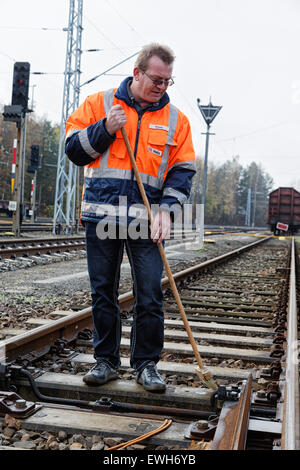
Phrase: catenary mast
(66,177)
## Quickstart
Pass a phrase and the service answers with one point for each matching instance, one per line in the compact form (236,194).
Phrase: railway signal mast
(32,168)
(209,113)
(16,112)
(66,177)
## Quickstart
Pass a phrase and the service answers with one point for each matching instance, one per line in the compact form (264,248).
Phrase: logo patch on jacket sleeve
(155,151)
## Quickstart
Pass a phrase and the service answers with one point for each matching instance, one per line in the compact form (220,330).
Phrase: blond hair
(154,49)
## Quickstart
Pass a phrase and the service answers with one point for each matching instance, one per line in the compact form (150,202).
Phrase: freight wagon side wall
(284,206)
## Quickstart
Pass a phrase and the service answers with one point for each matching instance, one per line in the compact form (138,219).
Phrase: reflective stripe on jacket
(160,137)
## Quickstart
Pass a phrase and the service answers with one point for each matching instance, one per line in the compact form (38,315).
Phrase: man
(161,140)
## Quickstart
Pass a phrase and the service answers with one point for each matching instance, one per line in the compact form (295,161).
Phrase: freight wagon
(283,214)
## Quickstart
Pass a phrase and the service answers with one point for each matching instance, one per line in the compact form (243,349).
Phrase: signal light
(21,85)
(12,113)
(34,159)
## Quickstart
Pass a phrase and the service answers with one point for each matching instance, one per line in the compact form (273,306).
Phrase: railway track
(25,247)
(20,253)
(27,227)
(11,249)
(242,308)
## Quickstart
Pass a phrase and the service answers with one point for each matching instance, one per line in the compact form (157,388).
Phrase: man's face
(157,69)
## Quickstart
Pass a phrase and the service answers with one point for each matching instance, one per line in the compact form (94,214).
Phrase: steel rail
(41,338)
(290,439)
(33,241)
(13,249)
(5,227)
(174,233)
(232,429)
(24,247)
(38,249)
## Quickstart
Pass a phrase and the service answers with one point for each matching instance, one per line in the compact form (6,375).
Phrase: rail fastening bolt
(202,424)
(20,403)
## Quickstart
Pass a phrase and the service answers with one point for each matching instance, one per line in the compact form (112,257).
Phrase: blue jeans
(104,259)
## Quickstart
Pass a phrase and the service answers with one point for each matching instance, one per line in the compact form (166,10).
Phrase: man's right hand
(161,226)
(116,118)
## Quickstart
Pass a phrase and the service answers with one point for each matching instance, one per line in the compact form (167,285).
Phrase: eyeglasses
(160,81)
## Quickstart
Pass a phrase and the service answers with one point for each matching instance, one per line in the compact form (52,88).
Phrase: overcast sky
(244,54)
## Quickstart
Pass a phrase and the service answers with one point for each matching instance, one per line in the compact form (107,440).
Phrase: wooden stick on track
(203,374)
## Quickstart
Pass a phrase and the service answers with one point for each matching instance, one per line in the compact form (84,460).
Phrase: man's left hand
(161,227)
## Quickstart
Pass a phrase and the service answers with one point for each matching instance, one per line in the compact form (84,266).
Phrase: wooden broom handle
(161,250)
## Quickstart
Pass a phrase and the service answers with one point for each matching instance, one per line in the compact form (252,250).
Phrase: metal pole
(209,112)
(33,198)
(248,209)
(254,201)
(204,183)
(32,102)
(59,216)
(64,204)
(17,186)
(22,166)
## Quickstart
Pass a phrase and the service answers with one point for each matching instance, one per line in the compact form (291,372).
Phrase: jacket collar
(122,94)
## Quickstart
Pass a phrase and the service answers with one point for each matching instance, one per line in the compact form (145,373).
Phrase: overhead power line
(126,22)
(47,73)
(257,131)
(28,28)
(103,35)
(8,56)
(108,70)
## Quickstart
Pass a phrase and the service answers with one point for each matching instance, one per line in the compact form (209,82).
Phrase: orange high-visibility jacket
(160,137)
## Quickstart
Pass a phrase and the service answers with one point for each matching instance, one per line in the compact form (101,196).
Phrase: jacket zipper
(140,115)
(137,134)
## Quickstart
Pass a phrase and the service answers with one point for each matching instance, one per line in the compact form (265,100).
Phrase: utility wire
(141,37)
(32,28)
(103,35)
(125,21)
(257,131)
(108,70)
(47,73)
(197,114)
(8,56)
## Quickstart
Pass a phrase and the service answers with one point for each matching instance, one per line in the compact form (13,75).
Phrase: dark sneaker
(99,374)
(151,379)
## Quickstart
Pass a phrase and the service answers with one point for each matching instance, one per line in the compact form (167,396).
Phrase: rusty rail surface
(290,424)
